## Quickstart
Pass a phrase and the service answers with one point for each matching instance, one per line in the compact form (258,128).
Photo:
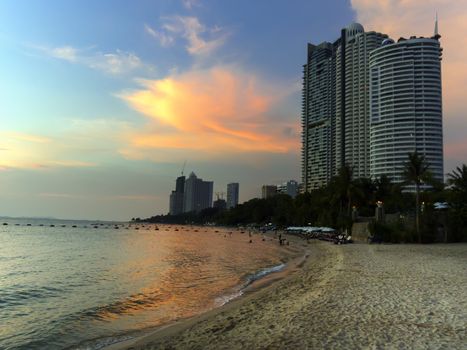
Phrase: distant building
(268,191)
(198,194)
(290,187)
(220,204)
(406,105)
(176,197)
(232,195)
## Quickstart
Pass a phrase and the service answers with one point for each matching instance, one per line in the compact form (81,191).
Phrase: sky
(102,102)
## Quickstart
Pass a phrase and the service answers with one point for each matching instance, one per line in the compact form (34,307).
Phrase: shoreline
(299,253)
(340,297)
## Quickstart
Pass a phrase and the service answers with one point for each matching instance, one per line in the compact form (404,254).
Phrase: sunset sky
(103,101)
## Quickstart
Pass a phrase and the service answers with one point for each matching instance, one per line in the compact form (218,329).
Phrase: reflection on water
(62,286)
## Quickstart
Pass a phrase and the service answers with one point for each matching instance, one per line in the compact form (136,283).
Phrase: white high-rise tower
(406,105)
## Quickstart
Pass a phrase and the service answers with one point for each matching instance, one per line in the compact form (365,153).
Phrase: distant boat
(5,224)
(28,224)
(73,226)
(52,225)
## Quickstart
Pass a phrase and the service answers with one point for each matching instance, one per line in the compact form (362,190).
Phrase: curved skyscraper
(353,126)
(405,105)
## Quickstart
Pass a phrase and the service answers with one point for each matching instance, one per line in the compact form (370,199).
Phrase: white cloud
(201,40)
(115,63)
(190,4)
(164,38)
(67,53)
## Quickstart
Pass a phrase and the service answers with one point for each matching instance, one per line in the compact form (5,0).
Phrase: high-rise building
(335,112)
(289,187)
(356,122)
(198,194)
(405,105)
(268,191)
(176,197)
(232,195)
(318,109)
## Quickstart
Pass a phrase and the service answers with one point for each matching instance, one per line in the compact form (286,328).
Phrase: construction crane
(220,195)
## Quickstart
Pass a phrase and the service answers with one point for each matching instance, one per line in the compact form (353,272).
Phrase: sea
(86,285)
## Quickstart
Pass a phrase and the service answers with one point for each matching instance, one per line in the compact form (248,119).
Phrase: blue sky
(79,85)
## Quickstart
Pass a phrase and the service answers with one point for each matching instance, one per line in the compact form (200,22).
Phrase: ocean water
(84,287)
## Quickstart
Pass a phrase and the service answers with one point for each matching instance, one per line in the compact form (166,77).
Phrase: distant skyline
(102,102)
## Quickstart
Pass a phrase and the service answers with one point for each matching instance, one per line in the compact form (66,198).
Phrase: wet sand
(339,297)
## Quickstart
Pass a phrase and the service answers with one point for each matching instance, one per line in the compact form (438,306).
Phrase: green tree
(342,192)
(458,179)
(458,203)
(416,172)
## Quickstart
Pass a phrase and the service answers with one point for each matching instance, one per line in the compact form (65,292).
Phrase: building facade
(176,197)
(318,109)
(290,187)
(356,122)
(335,106)
(268,191)
(406,105)
(232,195)
(220,203)
(198,194)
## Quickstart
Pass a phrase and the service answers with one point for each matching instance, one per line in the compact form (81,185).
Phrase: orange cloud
(28,151)
(416,17)
(215,111)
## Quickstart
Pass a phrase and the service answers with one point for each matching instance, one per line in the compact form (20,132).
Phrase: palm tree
(416,172)
(343,191)
(458,202)
(341,188)
(384,187)
(458,179)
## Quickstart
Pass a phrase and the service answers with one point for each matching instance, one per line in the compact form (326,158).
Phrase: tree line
(345,200)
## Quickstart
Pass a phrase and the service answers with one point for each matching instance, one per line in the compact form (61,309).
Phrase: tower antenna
(183,167)
(436,34)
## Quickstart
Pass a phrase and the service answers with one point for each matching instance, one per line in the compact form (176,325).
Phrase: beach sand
(341,297)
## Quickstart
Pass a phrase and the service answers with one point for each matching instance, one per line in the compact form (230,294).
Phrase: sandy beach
(340,297)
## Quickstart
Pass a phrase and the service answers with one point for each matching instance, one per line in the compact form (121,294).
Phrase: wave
(224,299)
(22,295)
(264,272)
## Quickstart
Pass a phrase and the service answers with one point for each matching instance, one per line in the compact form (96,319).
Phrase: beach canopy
(310,229)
